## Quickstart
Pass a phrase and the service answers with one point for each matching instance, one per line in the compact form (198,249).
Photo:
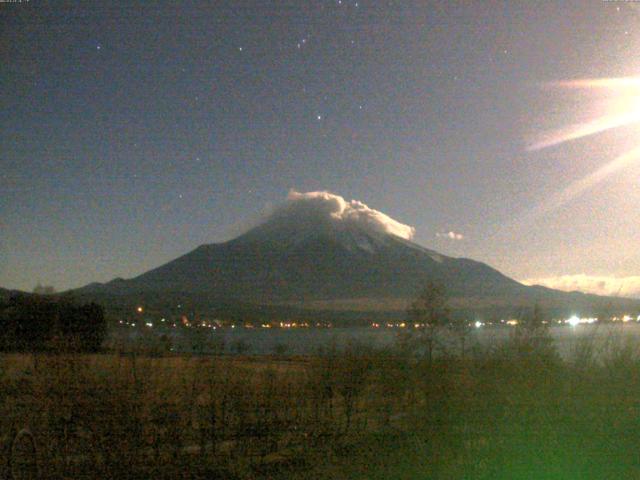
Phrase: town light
(573,321)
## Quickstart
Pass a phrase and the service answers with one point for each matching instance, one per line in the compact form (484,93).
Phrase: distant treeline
(39,323)
(176,304)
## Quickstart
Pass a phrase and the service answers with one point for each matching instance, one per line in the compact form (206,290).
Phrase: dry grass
(517,411)
(136,416)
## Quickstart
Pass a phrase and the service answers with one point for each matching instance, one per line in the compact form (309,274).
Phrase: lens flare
(622,100)
(623,104)
(576,188)
(610,83)
(581,130)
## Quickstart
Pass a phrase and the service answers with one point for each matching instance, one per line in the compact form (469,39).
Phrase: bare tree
(532,335)
(429,314)
(460,330)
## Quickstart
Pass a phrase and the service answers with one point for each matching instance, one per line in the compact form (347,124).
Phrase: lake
(301,341)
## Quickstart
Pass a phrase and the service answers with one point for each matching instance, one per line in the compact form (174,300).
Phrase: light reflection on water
(309,341)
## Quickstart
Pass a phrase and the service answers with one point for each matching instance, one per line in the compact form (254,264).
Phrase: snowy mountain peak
(352,224)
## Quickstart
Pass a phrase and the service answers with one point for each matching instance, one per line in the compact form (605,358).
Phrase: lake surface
(309,341)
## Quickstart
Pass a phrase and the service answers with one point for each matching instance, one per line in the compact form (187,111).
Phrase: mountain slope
(322,253)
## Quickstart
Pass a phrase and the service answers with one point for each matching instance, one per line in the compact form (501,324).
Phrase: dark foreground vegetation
(515,411)
(37,323)
(435,405)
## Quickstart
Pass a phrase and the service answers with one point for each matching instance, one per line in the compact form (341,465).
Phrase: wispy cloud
(599,285)
(336,208)
(451,235)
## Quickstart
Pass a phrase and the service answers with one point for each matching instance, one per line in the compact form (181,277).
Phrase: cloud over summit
(325,206)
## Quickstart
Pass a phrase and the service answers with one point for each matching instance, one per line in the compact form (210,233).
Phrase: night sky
(132,132)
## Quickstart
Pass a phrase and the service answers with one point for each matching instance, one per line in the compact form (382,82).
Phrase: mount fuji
(320,253)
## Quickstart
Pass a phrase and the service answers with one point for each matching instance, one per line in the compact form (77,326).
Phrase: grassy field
(513,411)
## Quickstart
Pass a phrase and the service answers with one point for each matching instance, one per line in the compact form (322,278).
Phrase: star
(240,48)
(98,47)
(319,117)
